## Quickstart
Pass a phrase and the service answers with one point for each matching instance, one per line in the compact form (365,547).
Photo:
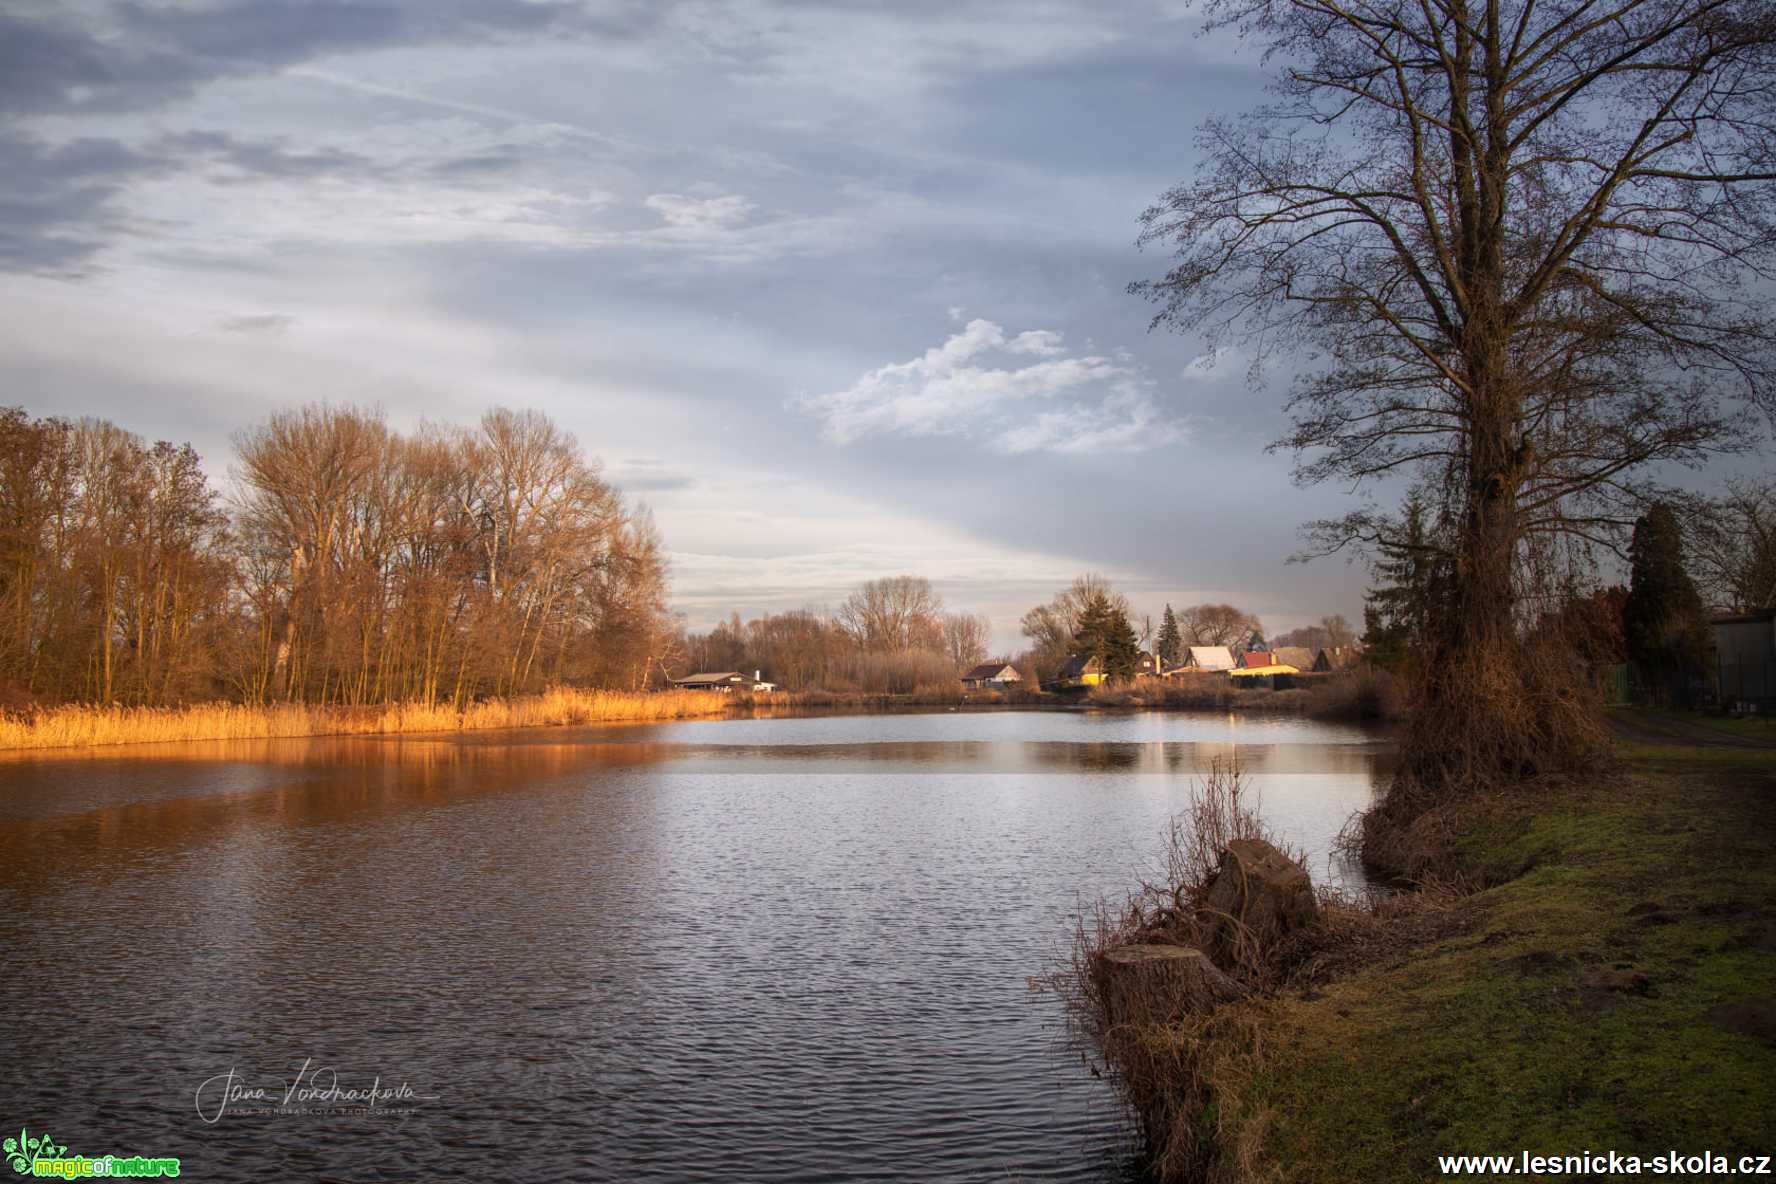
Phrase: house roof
(989,670)
(1298,656)
(1079,664)
(716,676)
(1252,658)
(1255,671)
(1751,618)
(1209,657)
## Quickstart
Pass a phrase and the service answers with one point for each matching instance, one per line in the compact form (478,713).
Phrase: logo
(22,1150)
(41,1155)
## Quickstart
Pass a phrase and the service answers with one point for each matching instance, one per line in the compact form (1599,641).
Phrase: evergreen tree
(1171,641)
(1662,621)
(1104,633)
(1398,610)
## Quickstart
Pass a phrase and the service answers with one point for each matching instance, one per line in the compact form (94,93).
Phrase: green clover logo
(22,1150)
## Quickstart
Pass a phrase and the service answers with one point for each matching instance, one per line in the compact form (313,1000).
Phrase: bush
(1169,1070)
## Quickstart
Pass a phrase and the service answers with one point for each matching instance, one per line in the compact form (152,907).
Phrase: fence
(1750,682)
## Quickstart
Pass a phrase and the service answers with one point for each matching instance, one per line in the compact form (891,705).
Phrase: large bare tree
(894,614)
(1519,249)
(1216,624)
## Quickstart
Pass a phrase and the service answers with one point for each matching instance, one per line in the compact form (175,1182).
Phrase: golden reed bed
(80,726)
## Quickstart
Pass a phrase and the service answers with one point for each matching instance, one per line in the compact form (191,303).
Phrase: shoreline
(86,726)
(1599,960)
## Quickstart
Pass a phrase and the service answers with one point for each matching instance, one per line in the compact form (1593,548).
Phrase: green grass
(1486,1042)
(1759,727)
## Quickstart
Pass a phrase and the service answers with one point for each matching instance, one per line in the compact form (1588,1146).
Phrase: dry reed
(1174,1072)
(79,725)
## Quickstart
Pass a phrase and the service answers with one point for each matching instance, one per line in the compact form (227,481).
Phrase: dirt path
(1648,726)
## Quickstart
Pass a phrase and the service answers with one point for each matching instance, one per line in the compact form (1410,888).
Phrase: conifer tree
(1104,633)
(1171,641)
(1398,611)
(1663,619)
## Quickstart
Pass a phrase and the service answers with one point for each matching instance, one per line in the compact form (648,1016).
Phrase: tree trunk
(1157,984)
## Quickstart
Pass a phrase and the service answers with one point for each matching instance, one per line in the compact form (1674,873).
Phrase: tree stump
(1258,896)
(1159,984)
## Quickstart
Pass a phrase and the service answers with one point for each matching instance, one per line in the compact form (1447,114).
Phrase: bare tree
(1521,244)
(965,638)
(1216,624)
(894,614)
(1338,631)
(1732,545)
(1052,626)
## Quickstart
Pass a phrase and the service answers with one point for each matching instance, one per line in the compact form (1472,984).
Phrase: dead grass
(1361,694)
(81,726)
(1170,1069)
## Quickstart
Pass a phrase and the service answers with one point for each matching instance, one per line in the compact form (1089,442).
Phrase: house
(1254,658)
(1081,670)
(991,674)
(1298,656)
(1249,677)
(1148,666)
(1745,645)
(1341,657)
(1200,658)
(725,682)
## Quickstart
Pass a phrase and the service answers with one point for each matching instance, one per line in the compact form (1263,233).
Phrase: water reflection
(786,948)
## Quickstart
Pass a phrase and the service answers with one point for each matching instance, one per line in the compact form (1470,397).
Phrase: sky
(837,288)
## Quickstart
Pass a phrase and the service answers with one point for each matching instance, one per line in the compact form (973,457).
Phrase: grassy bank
(1614,988)
(87,726)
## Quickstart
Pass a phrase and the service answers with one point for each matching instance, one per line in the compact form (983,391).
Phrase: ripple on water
(783,949)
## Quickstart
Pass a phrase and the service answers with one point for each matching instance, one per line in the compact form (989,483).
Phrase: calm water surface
(785,949)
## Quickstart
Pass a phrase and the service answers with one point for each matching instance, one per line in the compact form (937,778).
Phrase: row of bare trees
(113,564)
(354,564)
(891,635)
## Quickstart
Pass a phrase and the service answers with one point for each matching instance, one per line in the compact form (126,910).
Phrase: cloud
(267,324)
(59,203)
(700,215)
(647,474)
(136,54)
(978,385)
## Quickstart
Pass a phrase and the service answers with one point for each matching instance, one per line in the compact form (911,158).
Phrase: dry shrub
(1359,928)
(1492,727)
(902,673)
(1364,693)
(1173,1071)
(1502,715)
(1188,692)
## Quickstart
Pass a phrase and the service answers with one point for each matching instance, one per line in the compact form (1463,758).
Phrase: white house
(991,674)
(1198,658)
(725,682)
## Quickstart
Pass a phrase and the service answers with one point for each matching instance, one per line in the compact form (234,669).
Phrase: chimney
(758,676)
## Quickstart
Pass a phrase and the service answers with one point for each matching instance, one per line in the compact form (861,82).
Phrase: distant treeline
(891,636)
(895,636)
(350,565)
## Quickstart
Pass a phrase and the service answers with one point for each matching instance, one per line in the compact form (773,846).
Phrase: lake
(785,948)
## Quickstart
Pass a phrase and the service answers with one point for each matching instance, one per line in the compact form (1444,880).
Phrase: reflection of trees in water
(1198,756)
(241,786)
(231,790)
